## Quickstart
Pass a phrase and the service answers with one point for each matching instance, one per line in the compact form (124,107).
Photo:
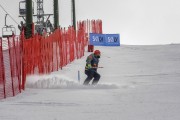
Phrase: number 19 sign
(104,39)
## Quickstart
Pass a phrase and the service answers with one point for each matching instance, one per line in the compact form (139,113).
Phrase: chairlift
(8,30)
(22,7)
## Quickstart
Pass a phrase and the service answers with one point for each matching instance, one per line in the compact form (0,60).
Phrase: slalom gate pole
(79,78)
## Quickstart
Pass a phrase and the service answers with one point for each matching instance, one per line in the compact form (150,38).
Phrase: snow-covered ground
(137,83)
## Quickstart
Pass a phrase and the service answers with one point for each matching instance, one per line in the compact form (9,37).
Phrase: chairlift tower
(26,11)
(40,13)
(42,23)
(73,13)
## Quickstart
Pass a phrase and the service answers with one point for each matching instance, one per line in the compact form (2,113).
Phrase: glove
(95,65)
(89,66)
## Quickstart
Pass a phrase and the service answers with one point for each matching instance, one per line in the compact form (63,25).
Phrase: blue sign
(97,39)
(104,39)
(112,40)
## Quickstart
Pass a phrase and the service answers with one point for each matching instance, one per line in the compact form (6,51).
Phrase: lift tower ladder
(40,12)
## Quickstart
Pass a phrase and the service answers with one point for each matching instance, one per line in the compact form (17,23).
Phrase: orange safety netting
(10,67)
(20,57)
(45,54)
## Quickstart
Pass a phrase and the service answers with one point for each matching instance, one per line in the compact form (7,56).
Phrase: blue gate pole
(79,76)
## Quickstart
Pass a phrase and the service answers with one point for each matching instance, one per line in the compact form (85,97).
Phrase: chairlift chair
(8,31)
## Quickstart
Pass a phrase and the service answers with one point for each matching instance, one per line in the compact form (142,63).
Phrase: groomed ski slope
(137,83)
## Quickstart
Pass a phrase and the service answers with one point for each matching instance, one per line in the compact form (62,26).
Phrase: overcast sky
(137,21)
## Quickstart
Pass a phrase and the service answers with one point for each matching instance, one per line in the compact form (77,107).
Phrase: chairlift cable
(8,14)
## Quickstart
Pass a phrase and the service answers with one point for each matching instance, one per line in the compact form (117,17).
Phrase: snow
(137,83)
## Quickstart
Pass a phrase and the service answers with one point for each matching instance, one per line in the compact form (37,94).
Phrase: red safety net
(10,62)
(45,54)
(92,26)
(20,57)
(1,72)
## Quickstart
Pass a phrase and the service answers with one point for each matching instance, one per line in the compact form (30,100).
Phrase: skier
(91,68)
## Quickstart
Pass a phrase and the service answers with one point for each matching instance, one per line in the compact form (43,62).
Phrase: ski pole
(97,67)
(100,67)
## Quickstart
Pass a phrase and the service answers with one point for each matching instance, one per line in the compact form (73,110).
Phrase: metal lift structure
(41,24)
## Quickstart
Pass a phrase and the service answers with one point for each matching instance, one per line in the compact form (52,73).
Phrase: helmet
(97,52)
